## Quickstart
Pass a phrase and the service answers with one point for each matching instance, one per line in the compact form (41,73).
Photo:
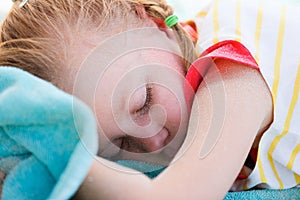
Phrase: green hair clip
(171,20)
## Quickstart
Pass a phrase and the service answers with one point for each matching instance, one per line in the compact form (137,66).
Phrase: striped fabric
(269,30)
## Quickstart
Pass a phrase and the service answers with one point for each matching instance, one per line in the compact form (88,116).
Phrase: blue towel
(152,170)
(48,139)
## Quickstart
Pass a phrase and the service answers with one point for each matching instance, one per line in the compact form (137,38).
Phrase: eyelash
(146,107)
(122,141)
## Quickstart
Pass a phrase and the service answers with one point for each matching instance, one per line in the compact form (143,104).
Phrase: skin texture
(231,107)
(136,92)
(214,172)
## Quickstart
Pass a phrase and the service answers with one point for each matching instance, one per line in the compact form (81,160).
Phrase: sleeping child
(205,96)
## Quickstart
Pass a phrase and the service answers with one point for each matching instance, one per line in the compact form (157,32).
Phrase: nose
(154,143)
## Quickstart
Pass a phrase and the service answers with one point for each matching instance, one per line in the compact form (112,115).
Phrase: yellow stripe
(260,168)
(295,152)
(272,164)
(286,128)
(294,101)
(258,30)
(275,92)
(202,14)
(257,53)
(238,21)
(278,53)
(297,178)
(216,22)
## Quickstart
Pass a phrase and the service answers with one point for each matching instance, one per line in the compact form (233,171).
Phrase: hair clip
(23,2)
(171,20)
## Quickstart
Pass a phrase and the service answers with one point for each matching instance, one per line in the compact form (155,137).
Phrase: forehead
(129,49)
(127,57)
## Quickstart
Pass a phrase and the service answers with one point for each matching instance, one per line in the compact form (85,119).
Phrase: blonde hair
(35,36)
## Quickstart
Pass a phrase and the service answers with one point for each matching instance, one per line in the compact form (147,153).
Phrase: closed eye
(148,101)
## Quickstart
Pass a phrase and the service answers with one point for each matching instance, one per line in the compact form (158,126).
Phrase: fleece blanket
(48,140)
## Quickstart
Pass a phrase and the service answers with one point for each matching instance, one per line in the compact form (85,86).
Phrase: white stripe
(288,70)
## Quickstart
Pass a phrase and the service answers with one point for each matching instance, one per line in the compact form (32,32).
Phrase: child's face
(134,84)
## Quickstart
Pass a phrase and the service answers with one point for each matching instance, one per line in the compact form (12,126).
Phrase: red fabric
(228,49)
(191,29)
